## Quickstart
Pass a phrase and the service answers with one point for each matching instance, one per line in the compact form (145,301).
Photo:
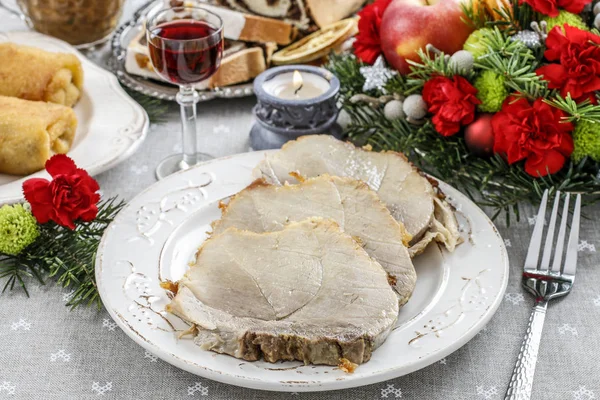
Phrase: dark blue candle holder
(281,120)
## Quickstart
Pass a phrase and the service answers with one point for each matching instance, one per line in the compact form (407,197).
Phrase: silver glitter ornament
(529,38)
(393,110)
(597,21)
(597,9)
(377,75)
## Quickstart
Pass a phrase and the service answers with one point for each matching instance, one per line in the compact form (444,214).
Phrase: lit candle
(296,86)
(293,101)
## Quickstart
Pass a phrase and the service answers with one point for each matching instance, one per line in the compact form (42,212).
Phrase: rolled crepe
(34,74)
(31,132)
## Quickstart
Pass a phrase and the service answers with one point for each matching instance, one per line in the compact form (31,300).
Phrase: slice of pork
(262,207)
(409,196)
(308,292)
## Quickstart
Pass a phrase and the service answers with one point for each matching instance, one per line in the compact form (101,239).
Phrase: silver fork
(545,283)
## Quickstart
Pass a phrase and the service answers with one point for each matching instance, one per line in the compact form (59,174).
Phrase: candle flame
(297,80)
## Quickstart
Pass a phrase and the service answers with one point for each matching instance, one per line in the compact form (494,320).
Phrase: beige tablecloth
(49,352)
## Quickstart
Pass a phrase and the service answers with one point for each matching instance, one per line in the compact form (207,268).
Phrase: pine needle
(66,257)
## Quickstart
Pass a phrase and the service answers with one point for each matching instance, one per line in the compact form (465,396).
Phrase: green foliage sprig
(518,16)
(474,14)
(431,65)
(490,182)
(515,61)
(157,109)
(584,111)
(67,257)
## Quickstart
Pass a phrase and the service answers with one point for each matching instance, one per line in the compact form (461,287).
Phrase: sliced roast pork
(308,292)
(262,207)
(409,196)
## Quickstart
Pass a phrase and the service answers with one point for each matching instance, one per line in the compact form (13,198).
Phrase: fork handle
(521,381)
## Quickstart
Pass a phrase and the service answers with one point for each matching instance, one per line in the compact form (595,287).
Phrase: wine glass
(186,46)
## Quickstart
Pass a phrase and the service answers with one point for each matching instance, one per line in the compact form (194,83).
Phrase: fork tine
(560,241)
(536,238)
(571,258)
(550,235)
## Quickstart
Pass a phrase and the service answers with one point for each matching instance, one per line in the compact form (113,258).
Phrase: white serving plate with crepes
(155,236)
(110,125)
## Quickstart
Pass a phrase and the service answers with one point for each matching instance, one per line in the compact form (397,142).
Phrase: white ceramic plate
(111,125)
(156,235)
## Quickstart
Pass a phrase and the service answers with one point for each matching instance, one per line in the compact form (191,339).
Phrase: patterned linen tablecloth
(49,352)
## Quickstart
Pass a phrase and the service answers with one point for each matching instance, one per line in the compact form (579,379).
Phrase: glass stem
(187,99)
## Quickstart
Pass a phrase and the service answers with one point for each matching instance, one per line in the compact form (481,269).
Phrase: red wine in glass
(185,45)
(185,51)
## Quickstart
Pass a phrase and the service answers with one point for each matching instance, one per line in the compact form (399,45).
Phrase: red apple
(409,25)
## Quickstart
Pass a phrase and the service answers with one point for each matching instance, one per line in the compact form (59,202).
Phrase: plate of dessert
(319,266)
(55,101)
(257,35)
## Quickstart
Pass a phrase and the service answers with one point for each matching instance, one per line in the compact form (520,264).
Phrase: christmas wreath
(500,98)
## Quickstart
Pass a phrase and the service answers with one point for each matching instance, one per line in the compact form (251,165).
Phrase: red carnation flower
(367,45)
(533,133)
(452,101)
(551,7)
(578,54)
(71,194)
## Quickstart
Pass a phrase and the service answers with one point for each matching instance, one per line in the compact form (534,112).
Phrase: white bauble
(415,107)
(462,62)
(344,119)
(393,110)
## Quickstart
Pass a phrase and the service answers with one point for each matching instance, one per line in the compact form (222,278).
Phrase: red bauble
(479,136)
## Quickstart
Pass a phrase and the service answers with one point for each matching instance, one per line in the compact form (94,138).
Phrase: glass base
(174,163)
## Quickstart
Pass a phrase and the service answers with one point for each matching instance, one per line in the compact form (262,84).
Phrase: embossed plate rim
(462,286)
(108,141)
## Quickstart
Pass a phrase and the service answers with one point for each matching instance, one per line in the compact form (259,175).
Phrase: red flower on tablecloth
(578,70)
(452,101)
(534,133)
(71,195)
(367,45)
(551,7)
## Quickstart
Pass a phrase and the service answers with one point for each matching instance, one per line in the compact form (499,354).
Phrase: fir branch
(499,43)
(474,14)
(517,17)
(515,61)
(583,111)
(430,66)
(397,84)
(433,63)
(347,66)
(157,109)
(15,271)
(66,256)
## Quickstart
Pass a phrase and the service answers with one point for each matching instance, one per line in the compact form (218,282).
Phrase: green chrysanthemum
(474,45)
(18,229)
(586,138)
(565,17)
(491,91)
